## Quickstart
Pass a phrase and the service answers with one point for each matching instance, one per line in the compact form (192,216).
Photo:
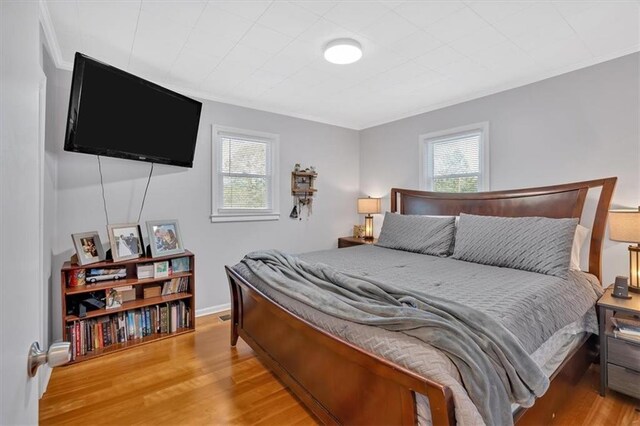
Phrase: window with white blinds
(245,174)
(455,160)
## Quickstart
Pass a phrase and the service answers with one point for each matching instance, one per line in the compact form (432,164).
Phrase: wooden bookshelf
(151,306)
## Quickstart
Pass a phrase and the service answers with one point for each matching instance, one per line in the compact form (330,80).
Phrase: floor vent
(225,317)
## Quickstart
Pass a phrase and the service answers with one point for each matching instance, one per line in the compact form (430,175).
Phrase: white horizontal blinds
(456,163)
(244,173)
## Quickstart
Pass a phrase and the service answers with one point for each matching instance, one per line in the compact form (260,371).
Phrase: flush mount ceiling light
(343,51)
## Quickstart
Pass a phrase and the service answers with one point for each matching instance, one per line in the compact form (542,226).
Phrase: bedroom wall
(577,126)
(185,194)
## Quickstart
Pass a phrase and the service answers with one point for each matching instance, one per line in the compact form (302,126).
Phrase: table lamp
(368,206)
(624,225)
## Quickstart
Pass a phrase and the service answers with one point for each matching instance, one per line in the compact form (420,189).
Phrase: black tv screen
(117,114)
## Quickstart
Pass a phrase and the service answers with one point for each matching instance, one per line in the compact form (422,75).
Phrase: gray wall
(577,126)
(185,194)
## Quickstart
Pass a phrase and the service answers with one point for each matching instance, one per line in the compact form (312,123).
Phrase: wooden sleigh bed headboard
(558,201)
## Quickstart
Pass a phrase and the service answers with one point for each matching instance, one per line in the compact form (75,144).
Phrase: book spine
(174,318)
(83,338)
(78,341)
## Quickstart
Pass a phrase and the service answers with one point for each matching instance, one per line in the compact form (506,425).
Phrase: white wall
(185,194)
(577,126)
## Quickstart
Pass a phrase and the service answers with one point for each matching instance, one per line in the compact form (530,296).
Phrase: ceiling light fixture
(343,51)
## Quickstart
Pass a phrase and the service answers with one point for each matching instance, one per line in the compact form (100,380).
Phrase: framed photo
(180,264)
(113,298)
(88,247)
(164,237)
(125,241)
(161,269)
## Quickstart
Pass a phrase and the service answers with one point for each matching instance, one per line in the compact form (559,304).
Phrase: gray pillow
(536,244)
(420,234)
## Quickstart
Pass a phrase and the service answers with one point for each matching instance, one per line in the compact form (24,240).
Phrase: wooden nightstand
(619,357)
(352,241)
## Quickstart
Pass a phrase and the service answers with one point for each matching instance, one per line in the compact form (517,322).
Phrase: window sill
(244,217)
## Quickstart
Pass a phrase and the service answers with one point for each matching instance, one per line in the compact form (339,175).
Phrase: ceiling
(418,55)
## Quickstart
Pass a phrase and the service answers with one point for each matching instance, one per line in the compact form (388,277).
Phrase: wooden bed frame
(343,384)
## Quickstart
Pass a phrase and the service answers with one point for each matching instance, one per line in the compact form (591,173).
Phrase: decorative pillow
(420,234)
(582,232)
(536,244)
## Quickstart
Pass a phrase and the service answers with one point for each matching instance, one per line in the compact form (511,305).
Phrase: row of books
(91,334)
(176,285)
(626,326)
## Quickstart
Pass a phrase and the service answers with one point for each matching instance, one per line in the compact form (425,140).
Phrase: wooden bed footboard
(339,382)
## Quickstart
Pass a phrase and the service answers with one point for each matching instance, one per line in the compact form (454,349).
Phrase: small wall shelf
(303,190)
(303,183)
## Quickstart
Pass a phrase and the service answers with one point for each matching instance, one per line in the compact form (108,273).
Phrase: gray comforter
(493,365)
(531,306)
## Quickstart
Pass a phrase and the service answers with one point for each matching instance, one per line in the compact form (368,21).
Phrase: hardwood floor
(198,378)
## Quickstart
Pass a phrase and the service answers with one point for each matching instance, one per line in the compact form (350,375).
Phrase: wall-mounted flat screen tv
(117,114)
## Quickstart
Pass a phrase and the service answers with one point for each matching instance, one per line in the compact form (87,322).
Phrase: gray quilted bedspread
(530,305)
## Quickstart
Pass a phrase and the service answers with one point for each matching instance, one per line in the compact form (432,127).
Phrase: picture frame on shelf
(180,264)
(88,247)
(161,269)
(165,238)
(113,298)
(125,241)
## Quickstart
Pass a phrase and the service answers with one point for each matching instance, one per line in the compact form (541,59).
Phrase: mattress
(562,311)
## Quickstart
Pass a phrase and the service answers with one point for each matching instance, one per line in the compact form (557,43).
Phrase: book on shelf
(626,322)
(88,335)
(175,285)
(625,334)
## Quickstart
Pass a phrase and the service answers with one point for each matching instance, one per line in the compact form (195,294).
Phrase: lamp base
(634,289)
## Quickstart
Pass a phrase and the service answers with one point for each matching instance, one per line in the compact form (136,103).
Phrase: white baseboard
(210,310)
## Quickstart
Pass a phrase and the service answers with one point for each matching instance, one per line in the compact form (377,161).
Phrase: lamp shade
(369,205)
(624,225)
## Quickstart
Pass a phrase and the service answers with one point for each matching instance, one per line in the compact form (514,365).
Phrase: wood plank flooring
(199,379)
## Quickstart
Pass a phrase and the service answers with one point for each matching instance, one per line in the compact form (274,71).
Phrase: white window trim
(227,215)
(426,140)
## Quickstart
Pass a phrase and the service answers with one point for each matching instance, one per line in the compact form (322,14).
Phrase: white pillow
(579,239)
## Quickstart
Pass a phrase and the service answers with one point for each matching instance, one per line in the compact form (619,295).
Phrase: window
(245,175)
(455,160)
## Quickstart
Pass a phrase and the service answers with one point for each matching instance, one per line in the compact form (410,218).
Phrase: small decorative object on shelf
(144,271)
(95,275)
(88,247)
(165,238)
(108,315)
(358,231)
(77,278)
(303,190)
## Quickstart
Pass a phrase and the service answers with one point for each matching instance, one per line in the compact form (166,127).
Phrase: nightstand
(619,357)
(353,241)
